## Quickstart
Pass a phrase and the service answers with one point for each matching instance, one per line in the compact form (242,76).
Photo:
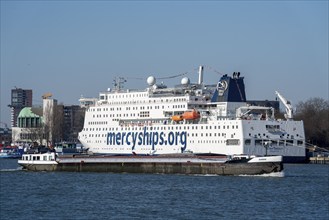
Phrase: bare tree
(78,122)
(315,112)
(35,134)
(58,124)
(46,130)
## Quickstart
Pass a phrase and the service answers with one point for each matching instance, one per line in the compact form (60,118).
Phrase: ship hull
(174,168)
(158,165)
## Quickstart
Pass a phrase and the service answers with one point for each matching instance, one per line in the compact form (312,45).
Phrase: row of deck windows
(137,102)
(247,141)
(192,142)
(192,135)
(125,96)
(97,123)
(135,128)
(141,108)
(262,142)
(128,149)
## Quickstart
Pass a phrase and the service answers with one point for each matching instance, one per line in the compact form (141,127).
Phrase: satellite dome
(151,80)
(185,81)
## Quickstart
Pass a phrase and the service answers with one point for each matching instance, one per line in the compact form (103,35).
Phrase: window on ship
(258,142)
(289,142)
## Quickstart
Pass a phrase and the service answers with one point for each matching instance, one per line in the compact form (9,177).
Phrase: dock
(319,160)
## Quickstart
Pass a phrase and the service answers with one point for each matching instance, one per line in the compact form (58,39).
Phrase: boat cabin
(39,157)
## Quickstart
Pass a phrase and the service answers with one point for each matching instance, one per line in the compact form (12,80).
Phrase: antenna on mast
(118,83)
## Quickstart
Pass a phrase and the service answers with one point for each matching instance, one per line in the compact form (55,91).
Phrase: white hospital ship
(189,118)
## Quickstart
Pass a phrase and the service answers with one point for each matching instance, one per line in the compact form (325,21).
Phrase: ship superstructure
(191,117)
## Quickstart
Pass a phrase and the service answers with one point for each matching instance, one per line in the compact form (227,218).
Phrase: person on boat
(52,149)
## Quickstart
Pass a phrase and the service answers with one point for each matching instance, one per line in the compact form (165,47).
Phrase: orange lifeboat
(191,115)
(177,118)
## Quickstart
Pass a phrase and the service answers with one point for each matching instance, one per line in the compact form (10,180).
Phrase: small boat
(10,153)
(68,148)
(177,118)
(191,115)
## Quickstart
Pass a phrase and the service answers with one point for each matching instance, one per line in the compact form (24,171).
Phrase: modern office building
(20,98)
(73,122)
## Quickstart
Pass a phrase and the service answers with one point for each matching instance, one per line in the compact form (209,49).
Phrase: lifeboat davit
(177,118)
(191,115)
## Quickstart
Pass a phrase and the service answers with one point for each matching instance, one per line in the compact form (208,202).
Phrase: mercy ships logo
(145,138)
(221,87)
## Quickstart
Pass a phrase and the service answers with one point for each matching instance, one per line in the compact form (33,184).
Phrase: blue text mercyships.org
(143,138)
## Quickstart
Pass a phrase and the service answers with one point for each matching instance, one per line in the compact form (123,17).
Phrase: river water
(300,192)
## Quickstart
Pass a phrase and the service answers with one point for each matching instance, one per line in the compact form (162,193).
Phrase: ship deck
(142,159)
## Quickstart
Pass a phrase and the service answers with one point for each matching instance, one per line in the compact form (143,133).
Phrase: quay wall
(319,160)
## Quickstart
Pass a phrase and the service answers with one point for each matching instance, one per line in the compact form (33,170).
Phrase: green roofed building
(48,124)
(36,125)
(30,118)
(30,126)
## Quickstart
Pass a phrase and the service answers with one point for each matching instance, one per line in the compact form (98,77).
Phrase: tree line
(315,114)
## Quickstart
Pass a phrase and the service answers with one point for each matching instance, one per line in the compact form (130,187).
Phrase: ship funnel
(200,75)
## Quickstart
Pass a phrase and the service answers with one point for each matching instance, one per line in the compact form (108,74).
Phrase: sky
(75,48)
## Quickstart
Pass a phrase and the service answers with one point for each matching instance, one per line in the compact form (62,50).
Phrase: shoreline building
(73,118)
(20,98)
(48,124)
(5,135)
(35,124)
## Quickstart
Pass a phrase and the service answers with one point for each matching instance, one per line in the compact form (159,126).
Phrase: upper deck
(224,100)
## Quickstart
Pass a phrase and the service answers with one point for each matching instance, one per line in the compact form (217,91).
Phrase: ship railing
(122,91)
(143,122)
(246,112)
(160,121)
(166,95)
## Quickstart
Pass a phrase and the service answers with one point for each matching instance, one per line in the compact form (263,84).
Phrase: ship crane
(287,104)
